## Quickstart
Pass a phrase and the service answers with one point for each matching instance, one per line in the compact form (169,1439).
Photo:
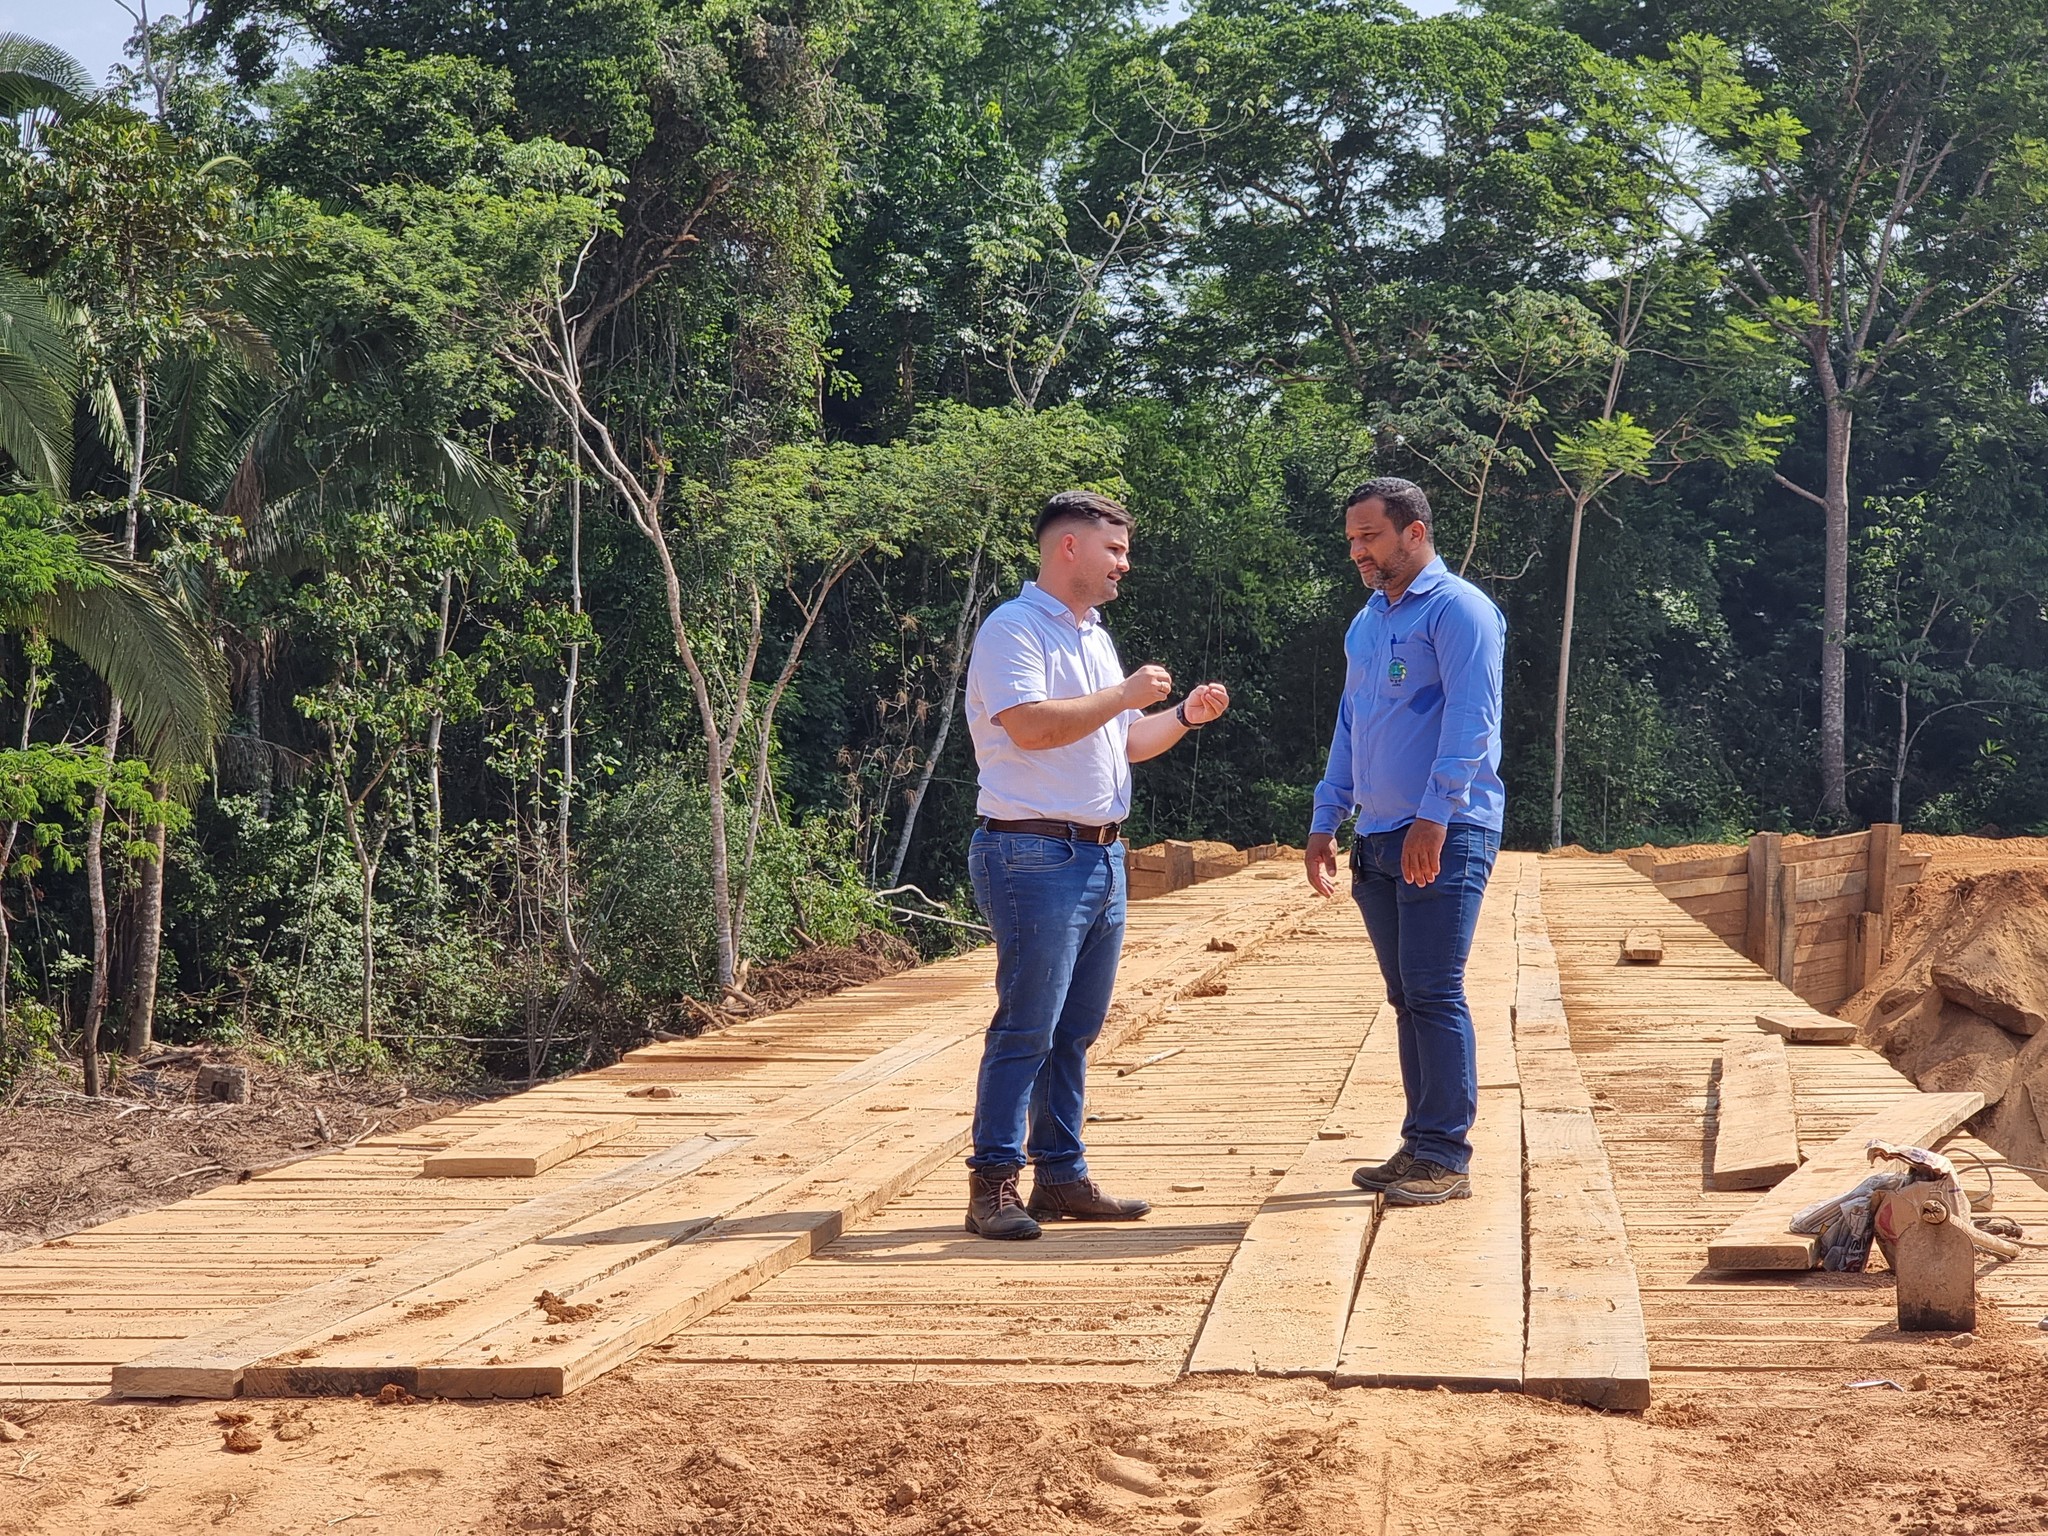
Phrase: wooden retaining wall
(1816,914)
(1174,866)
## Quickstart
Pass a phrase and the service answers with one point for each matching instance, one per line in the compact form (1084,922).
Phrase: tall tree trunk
(570,676)
(970,608)
(434,750)
(96,819)
(367,858)
(1564,675)
(1899,758)
(149,939)
(1834,651)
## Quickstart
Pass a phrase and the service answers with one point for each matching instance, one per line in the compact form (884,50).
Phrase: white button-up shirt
(1029,650)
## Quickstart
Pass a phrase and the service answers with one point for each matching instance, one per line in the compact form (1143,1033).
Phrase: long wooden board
(1760,1240)
(1281,1306)
(521,1149)
(1441,1303)
(1586,1341)
(1756,1135)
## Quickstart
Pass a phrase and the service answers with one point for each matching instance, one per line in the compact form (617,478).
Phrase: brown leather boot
(993,1207)
(1081,1200)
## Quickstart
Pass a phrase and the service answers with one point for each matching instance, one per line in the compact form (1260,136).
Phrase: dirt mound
(827,968)
(1962,1001)
(1677,855)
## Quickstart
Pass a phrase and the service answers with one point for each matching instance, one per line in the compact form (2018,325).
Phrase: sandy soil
(651,1450)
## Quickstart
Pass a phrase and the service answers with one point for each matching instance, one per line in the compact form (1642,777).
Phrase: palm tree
(38,379)
(78,591)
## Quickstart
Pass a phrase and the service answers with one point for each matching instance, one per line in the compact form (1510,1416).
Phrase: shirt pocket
(1410,677)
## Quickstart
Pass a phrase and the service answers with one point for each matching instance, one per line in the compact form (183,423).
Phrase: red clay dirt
(1962,999)
(653,1450)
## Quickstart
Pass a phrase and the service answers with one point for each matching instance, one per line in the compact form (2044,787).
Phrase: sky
(91,31)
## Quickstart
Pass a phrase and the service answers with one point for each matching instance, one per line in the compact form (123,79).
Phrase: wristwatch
(1180,713)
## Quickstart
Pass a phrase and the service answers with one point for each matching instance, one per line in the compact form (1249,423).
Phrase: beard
(1374,577)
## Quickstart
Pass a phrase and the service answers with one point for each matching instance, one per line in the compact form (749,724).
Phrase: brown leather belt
(1072,831)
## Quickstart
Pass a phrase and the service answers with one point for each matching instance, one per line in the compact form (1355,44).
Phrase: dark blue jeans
(1422,935)
(1057,908)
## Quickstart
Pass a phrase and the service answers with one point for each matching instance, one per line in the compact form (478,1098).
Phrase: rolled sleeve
(1470,640)
(1008,667)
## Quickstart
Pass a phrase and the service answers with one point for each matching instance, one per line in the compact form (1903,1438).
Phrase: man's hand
(1421,852)
(1321,861)
(1207,702)
(1147,686)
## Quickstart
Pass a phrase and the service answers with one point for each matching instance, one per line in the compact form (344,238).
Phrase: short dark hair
(1080,507)
(1403,500)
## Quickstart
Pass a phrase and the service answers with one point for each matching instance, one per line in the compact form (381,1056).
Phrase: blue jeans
(1422,935)
(1057,908)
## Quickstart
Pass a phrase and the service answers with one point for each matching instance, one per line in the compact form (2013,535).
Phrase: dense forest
(494,498)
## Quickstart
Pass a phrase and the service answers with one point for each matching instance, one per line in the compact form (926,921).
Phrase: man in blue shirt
(1416,755)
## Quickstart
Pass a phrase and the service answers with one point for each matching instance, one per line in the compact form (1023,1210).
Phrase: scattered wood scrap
(1806,1026)
(1756,1140)
(1762,1239)
(1643,946)
(1149,1061)
(522,1149)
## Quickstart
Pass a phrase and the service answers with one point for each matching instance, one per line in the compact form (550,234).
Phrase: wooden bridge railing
(1816,914)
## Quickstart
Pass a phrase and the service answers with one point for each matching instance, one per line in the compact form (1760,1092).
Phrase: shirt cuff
(1435,808)
(1325,822)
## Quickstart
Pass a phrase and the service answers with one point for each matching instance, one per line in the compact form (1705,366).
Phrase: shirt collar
(1428,579)
(1045,602)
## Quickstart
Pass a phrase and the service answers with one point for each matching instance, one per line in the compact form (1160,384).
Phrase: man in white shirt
(1056,727)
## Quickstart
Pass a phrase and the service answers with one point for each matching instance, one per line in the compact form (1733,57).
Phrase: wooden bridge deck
(1647,1039)
(818,1231)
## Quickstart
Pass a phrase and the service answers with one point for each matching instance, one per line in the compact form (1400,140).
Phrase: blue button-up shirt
(1418,729)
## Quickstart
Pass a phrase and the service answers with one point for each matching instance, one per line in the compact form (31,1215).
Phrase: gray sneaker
(1428,1183)
(1377,1176)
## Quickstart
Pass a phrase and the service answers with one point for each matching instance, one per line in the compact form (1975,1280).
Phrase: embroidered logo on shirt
(1397,671)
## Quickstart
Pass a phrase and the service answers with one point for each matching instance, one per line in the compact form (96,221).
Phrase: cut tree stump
(1762,1240)
(1756,1140)
(521,1149)
(1643,945)
(1806,1026)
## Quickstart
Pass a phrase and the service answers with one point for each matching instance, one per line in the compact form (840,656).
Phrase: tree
(1888,183)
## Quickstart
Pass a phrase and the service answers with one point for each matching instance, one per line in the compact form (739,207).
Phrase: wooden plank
(1760,936)
(1850,845)
(1644,945)
(1585,1340)
(520,1149)
(1586,1337)
(1282,1304)
(1441,1303)
(1881,889)
(1806,1026)
(1756,1136)
(1706,885)
(1785,913)
(1710,867)
(1849,882)
(1872,933)
(1759,1240)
